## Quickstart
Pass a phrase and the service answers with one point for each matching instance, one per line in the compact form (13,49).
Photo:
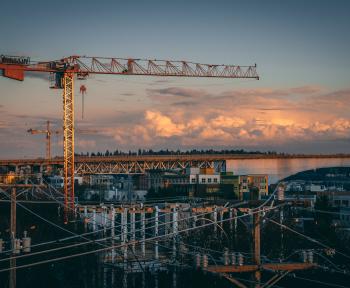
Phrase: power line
(80,235)
(125,244)
(319,282)
(323,211)
(307,237)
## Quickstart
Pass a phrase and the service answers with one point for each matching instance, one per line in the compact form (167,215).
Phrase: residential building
(230,185)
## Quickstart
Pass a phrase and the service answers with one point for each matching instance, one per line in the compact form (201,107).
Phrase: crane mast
(66,69)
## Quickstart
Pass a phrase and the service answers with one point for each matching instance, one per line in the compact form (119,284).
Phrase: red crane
(64,71)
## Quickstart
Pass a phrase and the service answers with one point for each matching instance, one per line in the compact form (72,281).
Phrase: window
(193,180)
(203,180)
(209,180)
(215,180)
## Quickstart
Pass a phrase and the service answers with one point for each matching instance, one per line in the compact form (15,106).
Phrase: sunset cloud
(85,144)
(227,122)
(238,118)
(191,118)
(163,125)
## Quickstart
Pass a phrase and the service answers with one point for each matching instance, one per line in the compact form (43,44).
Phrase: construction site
(213,175)
(149,243)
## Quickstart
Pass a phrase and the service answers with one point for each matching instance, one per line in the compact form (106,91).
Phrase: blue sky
(295,44)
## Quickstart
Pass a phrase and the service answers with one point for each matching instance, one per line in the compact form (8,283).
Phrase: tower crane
(65,70)
(48,132)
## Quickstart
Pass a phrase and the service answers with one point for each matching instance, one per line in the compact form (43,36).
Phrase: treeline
(141,152)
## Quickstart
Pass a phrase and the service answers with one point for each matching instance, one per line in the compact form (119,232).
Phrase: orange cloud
(227,122)
(238,118)
(163,125)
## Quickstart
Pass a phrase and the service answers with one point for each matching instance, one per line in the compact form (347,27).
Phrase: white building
(202,176)
(57,181)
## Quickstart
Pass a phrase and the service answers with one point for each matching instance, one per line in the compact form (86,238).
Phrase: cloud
(185,103)
(195,118)
(227,122)
(128,94)
(219,130)
(160,82)
(163,125)
(85,144)
(240,118)
(215,134)
(308,89)
(165,94)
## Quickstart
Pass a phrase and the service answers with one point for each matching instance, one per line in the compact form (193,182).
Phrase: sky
(300,104)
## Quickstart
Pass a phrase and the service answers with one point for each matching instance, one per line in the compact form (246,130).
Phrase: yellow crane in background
(48,132)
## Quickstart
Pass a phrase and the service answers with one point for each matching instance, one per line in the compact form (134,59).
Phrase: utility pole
(12,280)
(256,243)
(15,243)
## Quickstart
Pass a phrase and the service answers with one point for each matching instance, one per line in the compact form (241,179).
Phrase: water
(278,169)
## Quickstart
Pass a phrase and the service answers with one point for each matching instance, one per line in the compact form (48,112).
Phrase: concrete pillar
(132,224)
(124,224)
(104,218)
(143,233)
(156,228)
(226,257)
(235,220)
(175,230)
(221,217)
(233,258)
(112,226)
(282,233)
(85,218)
(112,221)
(194,220)
(125,234)
(94,219)
(215,218)
(240,259)
(230,215)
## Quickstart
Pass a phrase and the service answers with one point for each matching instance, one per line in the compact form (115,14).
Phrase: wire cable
(307,237)
(125,244)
